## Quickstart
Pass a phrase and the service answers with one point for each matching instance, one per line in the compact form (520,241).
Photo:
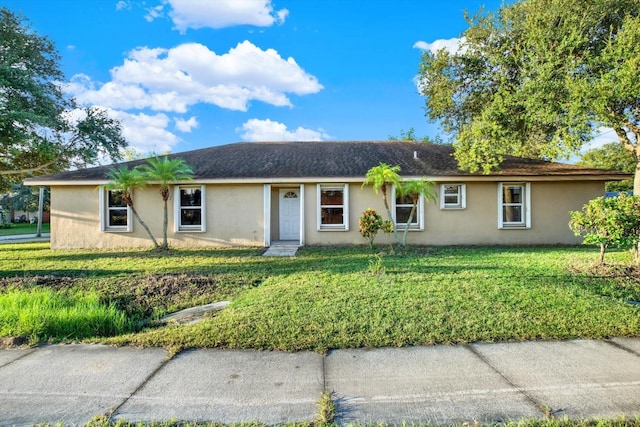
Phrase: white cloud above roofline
(195,14)
(186,125)
(255,130)
(146,133)
(172,80)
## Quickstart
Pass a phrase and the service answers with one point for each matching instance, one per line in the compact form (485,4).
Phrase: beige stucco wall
(235,216)
(475,225)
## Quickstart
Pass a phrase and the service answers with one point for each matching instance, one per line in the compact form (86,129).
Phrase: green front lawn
(23,228)
(346,297)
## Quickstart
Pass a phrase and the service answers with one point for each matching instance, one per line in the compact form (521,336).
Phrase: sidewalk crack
(324,372)
(153,373)
(19,357)
(545,409)
(621,347)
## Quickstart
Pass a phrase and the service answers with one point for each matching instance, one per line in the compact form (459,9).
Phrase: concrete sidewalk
(25,238)
(438,384)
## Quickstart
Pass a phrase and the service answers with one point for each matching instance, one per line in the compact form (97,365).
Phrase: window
(402,209)
(189,208)
(453,196)
(115,215)
(333,210)
(513,205)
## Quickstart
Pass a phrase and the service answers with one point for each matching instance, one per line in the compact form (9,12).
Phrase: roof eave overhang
(311,180)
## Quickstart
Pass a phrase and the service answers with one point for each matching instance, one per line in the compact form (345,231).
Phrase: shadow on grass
(147,254)
(248,262)
(64,273)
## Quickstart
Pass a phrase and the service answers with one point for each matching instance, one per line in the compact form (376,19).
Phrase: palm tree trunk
(386,205)
(406,227)
(165,225)
(145,226)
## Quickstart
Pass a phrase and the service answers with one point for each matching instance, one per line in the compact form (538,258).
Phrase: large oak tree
(538,78)
(38,133)
(611,156)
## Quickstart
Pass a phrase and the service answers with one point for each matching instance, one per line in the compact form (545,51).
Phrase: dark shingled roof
(274,160)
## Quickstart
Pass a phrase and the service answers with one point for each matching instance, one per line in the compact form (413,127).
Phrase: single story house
(253,194)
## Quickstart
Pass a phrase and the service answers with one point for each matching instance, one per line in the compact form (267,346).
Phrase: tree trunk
(386,205)
(40,211)
(406,228)
(603,249)
(636,178)
(634,149)
(145,226)
(165,225)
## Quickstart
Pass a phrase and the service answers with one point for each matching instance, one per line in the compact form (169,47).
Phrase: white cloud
(224,13)
(174,79)
(154,12)
(453,46)
(186,125)
(268,130)
(281,16)
(146,133)
(75,115)
(121,5)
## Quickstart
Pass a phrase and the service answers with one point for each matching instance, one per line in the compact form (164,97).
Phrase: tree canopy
(413,189)
(165,171)
(39,129)
(23,198)
(379,177)
(126,181)
(410,135)
(611,156)
(538,78)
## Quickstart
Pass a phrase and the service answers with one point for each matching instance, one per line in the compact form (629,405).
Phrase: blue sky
(186,74)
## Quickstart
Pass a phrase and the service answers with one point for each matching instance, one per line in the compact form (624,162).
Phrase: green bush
(370,223)
(43,314)
(609,222)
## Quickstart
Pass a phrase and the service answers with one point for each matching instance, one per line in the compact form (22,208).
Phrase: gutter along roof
(253,162)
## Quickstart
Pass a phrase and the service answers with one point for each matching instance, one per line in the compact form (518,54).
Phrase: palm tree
(165,171)
(125,181)
(415,188)
(379,177)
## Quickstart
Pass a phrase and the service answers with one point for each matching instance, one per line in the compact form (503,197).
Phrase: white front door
(290,214)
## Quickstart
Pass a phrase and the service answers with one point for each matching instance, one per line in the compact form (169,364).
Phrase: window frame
(462,197)
(177,209)
(345,207)
(418,225)
(104,215)
(525,203)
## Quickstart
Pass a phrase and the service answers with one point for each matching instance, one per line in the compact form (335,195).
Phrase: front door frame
(268,211)
(293,232)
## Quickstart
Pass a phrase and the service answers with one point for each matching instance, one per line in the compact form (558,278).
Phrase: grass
(346,297)
(23,228)
(326,409)
(42,314)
